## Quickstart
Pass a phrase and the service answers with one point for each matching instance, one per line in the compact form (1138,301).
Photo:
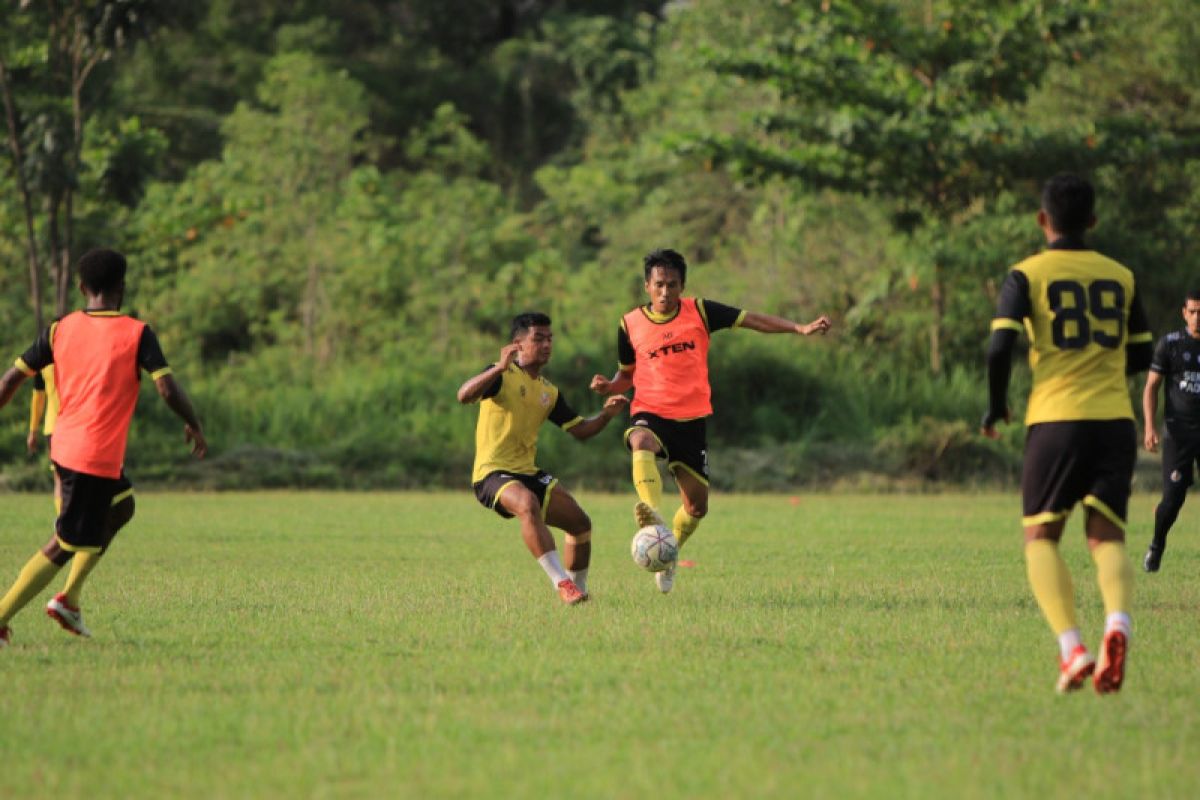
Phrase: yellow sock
(35,576)
(684,525)
(1051,584)
(82,565)
(1114,573)
(646,480)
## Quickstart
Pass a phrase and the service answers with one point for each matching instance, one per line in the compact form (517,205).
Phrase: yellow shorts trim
(70,548)
(1095,503)
(545,505)
(674,465)
(117,498)
(1045,517)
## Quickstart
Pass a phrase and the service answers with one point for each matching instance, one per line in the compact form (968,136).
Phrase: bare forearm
(590,426)
(766,323)
(474,388)
(1150,401)
(177,400)
(9,382)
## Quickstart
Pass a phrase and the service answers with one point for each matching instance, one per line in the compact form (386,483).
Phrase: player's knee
(523,504)
(576,539)
(581,526)
(54,552)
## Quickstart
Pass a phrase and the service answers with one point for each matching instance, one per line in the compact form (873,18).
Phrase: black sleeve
(626,356)
(150,354)
(999,361)
(1014,300)
(493,388)
(562,413)
(1139,347)
(1160,361)
(40,354)
(719,315)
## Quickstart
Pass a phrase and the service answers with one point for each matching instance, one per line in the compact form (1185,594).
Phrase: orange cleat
(570,593)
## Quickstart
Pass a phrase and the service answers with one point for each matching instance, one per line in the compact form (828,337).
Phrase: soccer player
(1087,331)
(1177,362)
(662,350)
(514,400)
(97,353)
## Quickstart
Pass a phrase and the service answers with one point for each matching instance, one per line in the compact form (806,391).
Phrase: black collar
(1069,241)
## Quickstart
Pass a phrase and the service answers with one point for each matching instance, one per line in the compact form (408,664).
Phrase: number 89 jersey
(1080,310)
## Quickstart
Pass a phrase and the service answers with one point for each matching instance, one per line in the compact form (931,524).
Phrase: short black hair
(666,258)
(525,321)
(1193,295)
(102,270)
(1070,202)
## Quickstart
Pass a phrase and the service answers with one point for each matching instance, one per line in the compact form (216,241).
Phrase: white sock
(554,568)
(579,576)
(1119,621)
(1068,640)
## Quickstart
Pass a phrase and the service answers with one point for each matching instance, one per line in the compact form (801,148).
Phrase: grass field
(405,645)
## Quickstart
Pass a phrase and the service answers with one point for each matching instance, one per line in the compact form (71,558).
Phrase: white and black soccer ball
(654,548)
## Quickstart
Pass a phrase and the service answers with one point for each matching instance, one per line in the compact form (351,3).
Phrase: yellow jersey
(1080,309)
(510,413)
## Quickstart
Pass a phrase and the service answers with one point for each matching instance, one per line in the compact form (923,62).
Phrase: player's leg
(521,502)
(83,563)
(645,447)
(33,578)
(1115,452)
(564,513)
(1177,459)
(1051,484)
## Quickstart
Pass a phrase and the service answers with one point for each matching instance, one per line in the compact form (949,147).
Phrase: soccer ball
(654,548)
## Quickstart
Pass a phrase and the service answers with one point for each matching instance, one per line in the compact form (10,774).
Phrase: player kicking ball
(662,353)
(514,400)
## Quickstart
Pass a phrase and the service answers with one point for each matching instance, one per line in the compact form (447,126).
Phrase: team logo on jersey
(1176,476)
(668,335)
(545,399)
(667,349)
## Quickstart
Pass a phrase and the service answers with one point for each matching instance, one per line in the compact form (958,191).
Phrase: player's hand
(195,438)
(988,425)
(31,442)
(508,355)
(600,384)
(1150,439)
(819,325)
(614,405)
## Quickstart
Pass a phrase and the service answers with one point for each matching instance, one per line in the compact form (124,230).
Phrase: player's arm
(37,412)
(622,380)
(1150,409)
(766,323)
(478,387)
(151,359)
(39,356)
(1011,309)
(587,428)
(1139,344)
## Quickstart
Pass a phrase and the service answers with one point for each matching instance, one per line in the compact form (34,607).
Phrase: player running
(662,353)
(1086,330)
(514,400)
(97,354)
(1176,362)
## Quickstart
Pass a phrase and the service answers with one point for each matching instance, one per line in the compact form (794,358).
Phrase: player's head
(102,272)
(531,330)
(666,274)
(1068,204)
(1191,312)
(665,259)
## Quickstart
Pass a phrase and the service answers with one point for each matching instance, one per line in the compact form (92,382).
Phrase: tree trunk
(31,249)
(937,294)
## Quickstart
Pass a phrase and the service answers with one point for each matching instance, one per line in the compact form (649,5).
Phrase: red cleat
(1074,672)
(1110,673)
(66,615)
(570,593)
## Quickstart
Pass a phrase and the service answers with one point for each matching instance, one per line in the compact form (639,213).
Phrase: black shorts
(83,521)
(1180,452)
(684,443)
(1083,460)
(488,490)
